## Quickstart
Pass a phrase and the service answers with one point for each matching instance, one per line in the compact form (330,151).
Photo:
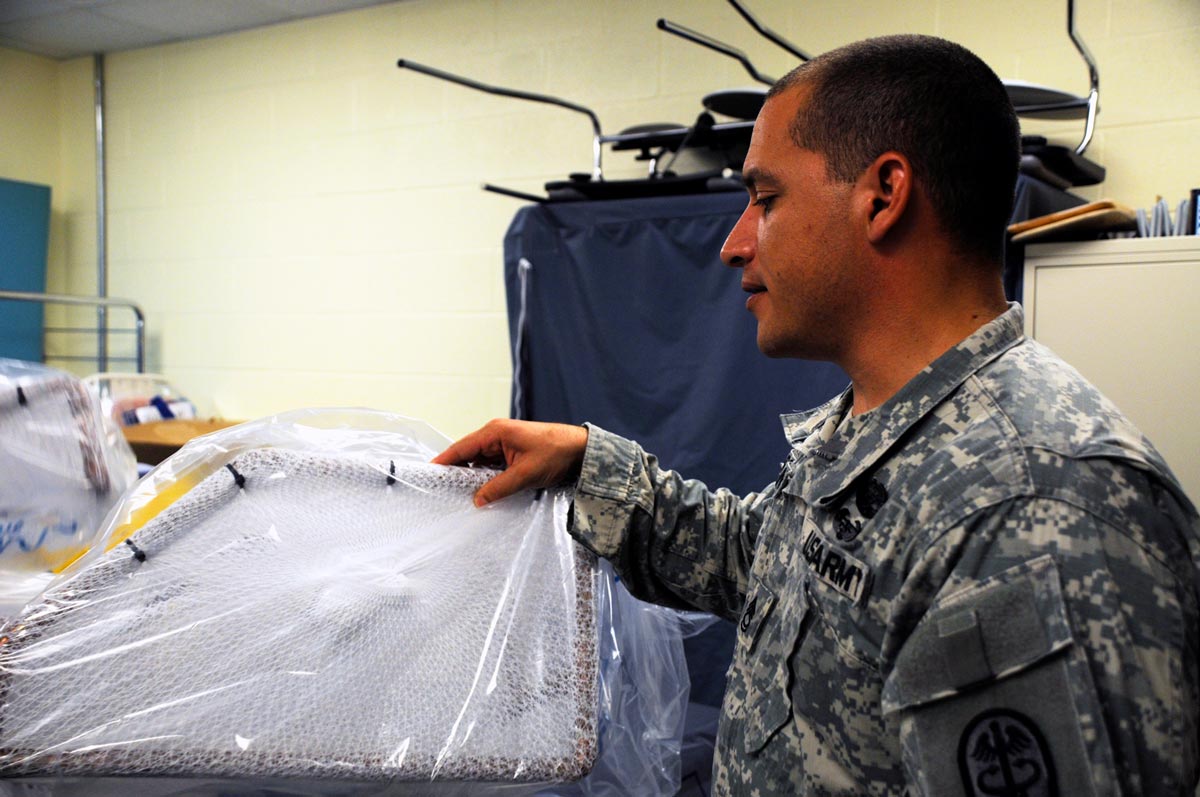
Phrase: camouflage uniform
(988,585)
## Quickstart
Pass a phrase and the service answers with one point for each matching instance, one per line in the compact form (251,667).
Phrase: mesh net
(320,617)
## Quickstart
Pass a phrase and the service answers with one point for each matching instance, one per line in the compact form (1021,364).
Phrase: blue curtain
(24,233)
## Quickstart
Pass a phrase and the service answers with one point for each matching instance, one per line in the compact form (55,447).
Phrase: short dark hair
(930,99)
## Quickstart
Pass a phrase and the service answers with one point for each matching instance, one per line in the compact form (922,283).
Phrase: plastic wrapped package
(303,605)
(64,465)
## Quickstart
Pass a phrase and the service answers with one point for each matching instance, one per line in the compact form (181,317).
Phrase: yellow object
(143,513)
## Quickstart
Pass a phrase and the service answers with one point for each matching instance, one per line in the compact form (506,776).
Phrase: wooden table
(155,441)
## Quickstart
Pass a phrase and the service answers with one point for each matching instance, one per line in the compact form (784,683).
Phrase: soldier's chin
(772,347)
(782,348)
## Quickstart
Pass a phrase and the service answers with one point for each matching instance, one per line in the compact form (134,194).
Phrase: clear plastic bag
(64,465)
(303,605)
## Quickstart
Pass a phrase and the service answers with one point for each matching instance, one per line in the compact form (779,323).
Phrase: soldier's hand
(533,455)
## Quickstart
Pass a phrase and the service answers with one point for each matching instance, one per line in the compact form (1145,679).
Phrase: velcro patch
(835,567)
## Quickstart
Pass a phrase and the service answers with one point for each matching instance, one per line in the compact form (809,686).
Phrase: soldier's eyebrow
(756,176)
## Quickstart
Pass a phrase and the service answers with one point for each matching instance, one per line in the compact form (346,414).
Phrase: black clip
(392,473)
(138,553)
(21,396)
(238,478)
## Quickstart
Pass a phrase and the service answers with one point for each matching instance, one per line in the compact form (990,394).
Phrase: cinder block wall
(46,137)
(303,221)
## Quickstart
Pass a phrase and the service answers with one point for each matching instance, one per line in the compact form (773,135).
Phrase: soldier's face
(794,240)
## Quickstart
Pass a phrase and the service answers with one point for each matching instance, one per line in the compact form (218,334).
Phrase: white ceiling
(72,28)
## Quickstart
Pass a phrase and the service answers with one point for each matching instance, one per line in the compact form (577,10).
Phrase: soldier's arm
(671,540)
(1058,650)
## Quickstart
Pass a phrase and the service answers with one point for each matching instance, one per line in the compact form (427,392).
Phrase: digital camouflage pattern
(986,586)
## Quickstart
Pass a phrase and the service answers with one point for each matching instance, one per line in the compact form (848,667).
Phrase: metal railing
(102,360)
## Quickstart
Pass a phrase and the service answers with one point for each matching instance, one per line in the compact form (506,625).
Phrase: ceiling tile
(189,19)
(72,28)
(77,32)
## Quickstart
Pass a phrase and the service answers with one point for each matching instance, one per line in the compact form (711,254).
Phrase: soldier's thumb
(500,486)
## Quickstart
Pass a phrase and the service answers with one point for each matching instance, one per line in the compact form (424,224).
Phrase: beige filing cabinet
(1126,313)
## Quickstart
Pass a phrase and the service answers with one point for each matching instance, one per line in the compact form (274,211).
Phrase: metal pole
(597,135)
(1093,100)
(101,216)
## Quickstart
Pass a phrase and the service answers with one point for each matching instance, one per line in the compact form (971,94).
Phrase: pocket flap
(768,702)
(999,627)
(760,600)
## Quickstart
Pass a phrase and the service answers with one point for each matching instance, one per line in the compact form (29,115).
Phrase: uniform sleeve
(1057,655)
(672,541)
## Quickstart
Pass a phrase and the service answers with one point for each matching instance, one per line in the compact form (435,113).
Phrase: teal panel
(24,236)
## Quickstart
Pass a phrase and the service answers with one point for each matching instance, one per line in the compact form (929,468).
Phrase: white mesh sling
(318,616)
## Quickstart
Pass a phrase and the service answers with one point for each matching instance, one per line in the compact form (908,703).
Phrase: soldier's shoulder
(1028,426)
(1077,445)
(1052,408)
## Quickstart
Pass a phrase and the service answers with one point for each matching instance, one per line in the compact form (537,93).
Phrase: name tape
(836,568)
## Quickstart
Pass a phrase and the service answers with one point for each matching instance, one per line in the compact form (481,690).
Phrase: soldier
(973,575)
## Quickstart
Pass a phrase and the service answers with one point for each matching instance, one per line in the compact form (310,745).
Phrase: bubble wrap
(322,617)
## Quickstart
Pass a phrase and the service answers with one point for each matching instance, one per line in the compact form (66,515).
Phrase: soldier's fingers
(476,445)
(508,482)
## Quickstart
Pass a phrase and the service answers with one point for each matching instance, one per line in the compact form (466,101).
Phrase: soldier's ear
(886,188)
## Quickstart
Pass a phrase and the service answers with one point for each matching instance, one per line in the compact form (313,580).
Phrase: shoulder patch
(1003,752)
(834,567)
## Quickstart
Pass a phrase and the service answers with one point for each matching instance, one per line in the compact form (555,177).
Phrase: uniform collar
(799,426)
(835,459)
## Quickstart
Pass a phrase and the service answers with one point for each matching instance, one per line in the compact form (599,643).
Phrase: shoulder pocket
(988,632)
(992,691)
